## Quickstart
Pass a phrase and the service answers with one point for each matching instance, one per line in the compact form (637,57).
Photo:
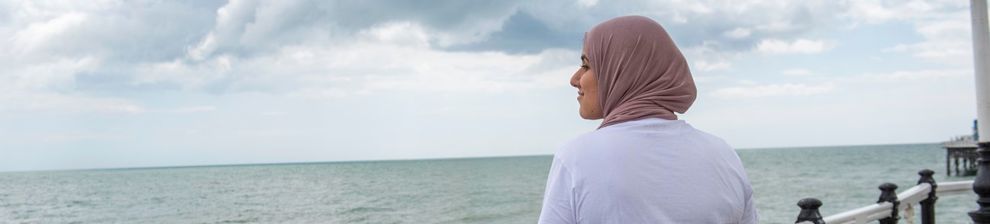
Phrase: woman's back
(642,165)
(647,171)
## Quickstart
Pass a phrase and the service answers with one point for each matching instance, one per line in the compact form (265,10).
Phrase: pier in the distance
(961,150)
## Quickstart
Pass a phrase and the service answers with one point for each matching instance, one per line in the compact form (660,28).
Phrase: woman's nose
(576,79)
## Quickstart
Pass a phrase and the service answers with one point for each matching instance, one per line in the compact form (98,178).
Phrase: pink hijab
(641,73)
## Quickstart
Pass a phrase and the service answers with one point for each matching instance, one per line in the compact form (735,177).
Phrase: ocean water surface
(480,190)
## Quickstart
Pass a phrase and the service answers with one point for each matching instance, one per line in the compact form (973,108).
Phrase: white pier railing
(884,210)
(962,141)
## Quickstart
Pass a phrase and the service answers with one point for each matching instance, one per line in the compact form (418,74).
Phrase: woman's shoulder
(711,138)
(585,144)
(667,134)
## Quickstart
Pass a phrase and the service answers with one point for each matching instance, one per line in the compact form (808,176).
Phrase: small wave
(487,218)
(368,209)
(75,203)
(249,220)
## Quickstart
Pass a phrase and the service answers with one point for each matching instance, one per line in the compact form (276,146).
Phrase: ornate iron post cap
(926,174)
(809,211)
(809,203)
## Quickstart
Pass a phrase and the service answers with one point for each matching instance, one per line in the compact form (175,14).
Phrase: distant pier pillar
(956,164)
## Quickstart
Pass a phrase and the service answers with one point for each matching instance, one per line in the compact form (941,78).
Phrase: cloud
(875,12)
(320,49)
(799,46)
(709,57)
(524,33)
(232,20)
(38,34)
(587,3)
(772,90)
(57,75)
(752,89)
(399,33)
(944,26)
(912,75)
(389,57)
(122,32)
(232,47)
(946,39)
(220,46)
(45,102)
(711,66)
(193,109)
(75,137)
(796,72)
(738,33)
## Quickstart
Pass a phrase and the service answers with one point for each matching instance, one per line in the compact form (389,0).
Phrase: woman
(642,165)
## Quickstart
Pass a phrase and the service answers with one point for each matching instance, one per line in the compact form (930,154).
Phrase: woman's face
(587,85)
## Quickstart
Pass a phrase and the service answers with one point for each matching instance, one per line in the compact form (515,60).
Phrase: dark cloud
(710,28)
(162,31)
(274,24)
(138,33)
(523,33)
(440,14)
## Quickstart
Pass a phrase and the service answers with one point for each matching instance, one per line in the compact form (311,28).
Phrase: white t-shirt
(647,171)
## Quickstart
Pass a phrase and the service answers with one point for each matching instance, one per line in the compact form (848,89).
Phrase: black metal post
(974,159)
(928,205)
(809,211)
(981,185)
(888,194)
(972,162)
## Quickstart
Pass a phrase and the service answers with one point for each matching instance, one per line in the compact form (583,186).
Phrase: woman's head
(634,70)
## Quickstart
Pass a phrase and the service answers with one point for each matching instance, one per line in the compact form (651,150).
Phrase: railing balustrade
(890,206)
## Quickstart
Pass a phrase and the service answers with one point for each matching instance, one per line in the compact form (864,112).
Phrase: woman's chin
(589,116)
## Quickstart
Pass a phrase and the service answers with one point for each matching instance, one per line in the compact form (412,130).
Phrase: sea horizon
(409,159)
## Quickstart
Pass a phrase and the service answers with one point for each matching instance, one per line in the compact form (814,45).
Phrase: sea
(474,190)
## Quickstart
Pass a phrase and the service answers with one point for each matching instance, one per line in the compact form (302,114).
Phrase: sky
(103,83)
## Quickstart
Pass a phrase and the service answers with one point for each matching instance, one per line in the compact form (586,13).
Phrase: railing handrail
(862,215)
(907,199)
(956,187)
(914,195)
